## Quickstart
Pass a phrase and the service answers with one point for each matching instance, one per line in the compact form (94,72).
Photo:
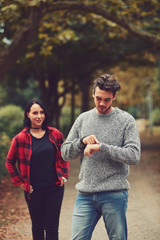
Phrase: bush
(134,111)
(65,119)
(11,120)
(4,147)
(156,116)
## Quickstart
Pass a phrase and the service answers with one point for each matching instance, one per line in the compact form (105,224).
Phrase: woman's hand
(23,187)
(63,180)
(31,189)
(91,148)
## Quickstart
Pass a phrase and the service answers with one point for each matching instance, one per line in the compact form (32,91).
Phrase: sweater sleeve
(129,153)
(72,147)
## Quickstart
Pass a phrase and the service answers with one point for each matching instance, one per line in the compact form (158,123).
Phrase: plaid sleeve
(65,164)
(11,163)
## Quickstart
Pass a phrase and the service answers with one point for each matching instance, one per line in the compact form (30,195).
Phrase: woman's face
(36,115)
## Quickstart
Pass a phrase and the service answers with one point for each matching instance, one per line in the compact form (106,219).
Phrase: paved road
(143,207)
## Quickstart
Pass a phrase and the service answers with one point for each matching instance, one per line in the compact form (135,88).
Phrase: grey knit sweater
(119,140)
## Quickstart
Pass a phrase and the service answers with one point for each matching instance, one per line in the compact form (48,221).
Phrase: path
(143,207)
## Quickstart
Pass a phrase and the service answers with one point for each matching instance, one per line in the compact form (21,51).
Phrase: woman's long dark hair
(27,122)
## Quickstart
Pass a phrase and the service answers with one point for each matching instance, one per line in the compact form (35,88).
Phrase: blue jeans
(88,209)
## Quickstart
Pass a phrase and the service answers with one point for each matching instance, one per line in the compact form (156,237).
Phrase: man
(108,141)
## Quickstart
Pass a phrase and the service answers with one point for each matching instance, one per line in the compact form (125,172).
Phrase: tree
(74,55)
(134,16)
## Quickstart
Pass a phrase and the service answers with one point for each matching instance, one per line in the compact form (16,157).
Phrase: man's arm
(73,146)
(72,149)
(130,152)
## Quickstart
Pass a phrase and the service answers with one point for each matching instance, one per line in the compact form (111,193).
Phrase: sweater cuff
(81,144)
(104,147)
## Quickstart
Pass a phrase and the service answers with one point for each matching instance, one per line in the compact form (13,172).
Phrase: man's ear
(114,97)
(93,93)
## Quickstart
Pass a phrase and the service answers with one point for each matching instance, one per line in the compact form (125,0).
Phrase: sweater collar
(106,114)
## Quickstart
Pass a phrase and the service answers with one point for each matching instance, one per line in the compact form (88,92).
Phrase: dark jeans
(44,208)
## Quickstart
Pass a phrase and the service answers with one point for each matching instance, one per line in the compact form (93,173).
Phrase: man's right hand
(90,140)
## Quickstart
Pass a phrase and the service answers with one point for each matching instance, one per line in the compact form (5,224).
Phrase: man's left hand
(90,149)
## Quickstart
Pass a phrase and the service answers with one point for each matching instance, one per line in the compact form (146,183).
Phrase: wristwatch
(82,141)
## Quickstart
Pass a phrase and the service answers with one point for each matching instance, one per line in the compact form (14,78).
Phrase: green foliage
(73,45)
(65,120)
(134,111)
(4,146)
(156,116)
(11,120)
(17,91)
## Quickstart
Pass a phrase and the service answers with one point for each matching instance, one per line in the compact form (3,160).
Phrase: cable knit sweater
(108,168)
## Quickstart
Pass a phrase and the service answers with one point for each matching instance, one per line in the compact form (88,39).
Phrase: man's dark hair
(27,122)
(108,83)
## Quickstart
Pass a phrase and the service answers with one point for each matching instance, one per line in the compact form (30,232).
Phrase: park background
(53,50)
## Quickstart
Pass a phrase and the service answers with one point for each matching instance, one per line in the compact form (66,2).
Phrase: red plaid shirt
(20,152)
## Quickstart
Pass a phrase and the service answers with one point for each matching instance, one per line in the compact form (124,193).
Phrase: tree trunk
(85,94)
(72,107)
(49,95)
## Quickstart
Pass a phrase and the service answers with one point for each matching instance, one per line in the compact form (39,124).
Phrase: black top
(42,164)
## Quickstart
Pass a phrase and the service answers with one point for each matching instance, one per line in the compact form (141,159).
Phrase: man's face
(103,100)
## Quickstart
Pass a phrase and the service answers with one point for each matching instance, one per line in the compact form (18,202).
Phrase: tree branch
(9,56)
(100,9)
(19,44)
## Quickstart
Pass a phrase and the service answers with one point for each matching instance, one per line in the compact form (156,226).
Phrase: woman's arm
(11,163)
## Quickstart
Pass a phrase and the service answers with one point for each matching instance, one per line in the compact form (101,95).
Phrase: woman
(41,171)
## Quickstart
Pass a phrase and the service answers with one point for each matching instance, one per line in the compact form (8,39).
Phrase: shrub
(156,116)
(65,119)
(4,147)
(11,120)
